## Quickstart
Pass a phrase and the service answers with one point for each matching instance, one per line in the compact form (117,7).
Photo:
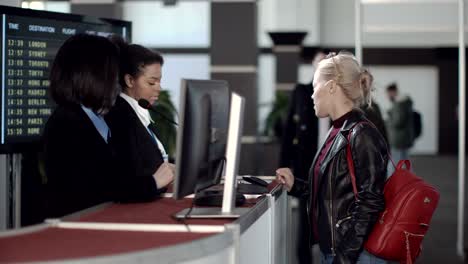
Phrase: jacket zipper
(308,210)
(342,220)
(309,222)
(332,229)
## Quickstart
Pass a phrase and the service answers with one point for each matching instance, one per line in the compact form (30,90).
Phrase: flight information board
(28,47)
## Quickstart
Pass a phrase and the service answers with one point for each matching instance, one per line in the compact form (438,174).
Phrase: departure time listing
(29,47)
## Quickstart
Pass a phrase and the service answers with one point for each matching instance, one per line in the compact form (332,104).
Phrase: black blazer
(137,154)
(300,136)
(78,162)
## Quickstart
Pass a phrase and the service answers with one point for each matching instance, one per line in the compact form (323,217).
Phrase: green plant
(166,130)
(275,120)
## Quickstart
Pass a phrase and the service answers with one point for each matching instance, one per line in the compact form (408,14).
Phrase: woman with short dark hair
(85,72)
(78,159)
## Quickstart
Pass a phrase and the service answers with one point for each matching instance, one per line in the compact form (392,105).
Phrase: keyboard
(215,198)
(247,188)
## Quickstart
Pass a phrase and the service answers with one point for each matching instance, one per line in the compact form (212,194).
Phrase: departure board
(28,46)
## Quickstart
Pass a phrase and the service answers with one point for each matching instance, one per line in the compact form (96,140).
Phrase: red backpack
(409,205)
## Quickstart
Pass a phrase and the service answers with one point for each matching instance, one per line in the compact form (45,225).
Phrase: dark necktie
(152,128)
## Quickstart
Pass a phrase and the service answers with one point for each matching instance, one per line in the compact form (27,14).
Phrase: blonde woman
(341,222)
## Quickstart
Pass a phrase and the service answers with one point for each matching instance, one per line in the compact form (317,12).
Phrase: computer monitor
(208,111)
(202,136)
(192,152)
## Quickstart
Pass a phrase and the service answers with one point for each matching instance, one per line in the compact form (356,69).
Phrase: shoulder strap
(349,157)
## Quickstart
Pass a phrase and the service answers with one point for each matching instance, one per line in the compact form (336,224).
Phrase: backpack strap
(349,157)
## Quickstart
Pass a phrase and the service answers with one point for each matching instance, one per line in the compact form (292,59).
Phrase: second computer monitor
(202,136)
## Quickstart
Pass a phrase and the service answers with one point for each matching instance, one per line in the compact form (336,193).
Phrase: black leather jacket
(344,222)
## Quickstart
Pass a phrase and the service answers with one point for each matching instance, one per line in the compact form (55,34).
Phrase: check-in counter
(147,233)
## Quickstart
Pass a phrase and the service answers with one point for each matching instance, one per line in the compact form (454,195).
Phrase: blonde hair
(346,71)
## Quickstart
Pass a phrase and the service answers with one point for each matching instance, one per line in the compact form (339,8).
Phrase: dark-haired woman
(140,154)
(78,157)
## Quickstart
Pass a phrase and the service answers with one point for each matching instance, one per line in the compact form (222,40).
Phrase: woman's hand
(164,174)
(285,177)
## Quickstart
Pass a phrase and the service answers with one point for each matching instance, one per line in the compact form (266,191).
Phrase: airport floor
(440,243)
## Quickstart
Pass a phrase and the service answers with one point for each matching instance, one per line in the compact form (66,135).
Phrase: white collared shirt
(145,118)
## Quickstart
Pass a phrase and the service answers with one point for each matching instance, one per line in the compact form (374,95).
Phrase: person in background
(299,142)
(400,124)
(140,154)
(78,157)
(374,115)
(340,221)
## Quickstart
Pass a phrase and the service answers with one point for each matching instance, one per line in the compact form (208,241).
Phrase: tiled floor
(440,242)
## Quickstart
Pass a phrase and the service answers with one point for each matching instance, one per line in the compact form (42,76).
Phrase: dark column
(234,52)
(104,10)
(287,49)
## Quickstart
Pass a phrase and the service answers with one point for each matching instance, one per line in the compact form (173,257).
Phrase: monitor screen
(29,40)
(202,135)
